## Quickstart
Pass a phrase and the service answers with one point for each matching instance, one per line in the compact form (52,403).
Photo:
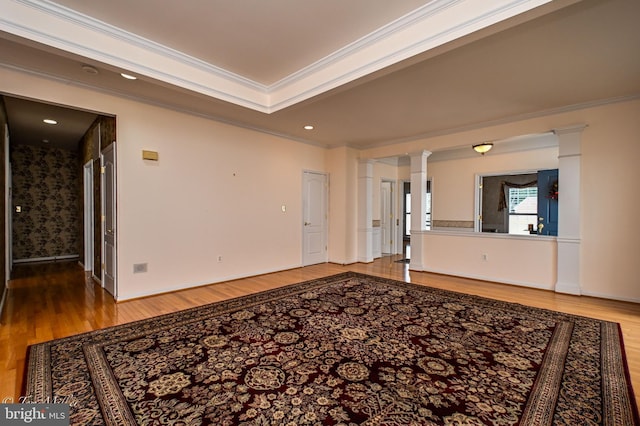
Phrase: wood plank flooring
(50,301)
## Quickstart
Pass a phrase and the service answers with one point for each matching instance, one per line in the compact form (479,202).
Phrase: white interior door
(314,214)
(108,173)
(386,217)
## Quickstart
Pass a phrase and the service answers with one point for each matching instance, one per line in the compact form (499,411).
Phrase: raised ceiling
(363,72)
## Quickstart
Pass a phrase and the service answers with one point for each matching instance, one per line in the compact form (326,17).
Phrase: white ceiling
(325,62)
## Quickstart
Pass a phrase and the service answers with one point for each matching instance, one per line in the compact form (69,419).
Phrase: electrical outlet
(219,258)
(140,268)
(485,257)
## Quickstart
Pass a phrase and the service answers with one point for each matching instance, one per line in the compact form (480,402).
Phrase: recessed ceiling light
(89,69)
(45,140)
(50,121)
(308,127)
(128,76)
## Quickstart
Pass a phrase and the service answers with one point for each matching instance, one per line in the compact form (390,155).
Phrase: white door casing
(88,216)
(314,215)
(386,216)
(108,193)
(8,225)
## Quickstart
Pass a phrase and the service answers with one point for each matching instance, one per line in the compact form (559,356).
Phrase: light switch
(284,208)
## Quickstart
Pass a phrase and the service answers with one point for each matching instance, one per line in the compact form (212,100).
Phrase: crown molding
(147,101)
(430,26)
(436,23)
(53,25)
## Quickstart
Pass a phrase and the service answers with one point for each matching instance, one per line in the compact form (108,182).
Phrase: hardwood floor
(50,301)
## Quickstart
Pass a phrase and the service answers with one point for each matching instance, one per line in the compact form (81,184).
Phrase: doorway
(406,215)
(55,186)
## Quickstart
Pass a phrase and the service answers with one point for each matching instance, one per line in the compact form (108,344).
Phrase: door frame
(8,225)
(392,220)
(89,224)
(103,212)
(325,223)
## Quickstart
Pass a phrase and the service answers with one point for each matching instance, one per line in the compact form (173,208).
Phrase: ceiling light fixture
(128,76)
(45,140)
(89,69)
(308,127)
(50,121)
(483,147)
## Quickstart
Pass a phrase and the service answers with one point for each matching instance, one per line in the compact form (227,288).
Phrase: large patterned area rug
(343,350)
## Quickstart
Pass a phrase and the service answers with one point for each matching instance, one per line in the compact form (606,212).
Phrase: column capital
(569,140)
(365,168)
(419,161)
(422,153)
(570,129)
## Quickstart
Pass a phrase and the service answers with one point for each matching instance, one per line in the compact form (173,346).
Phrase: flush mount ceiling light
(483,147)
(308,127)
(128,76)
(89,69)
(50,121)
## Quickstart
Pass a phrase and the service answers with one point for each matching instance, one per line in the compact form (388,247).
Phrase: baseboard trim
(610,297)
(126,297)
(537,286)
(47,259)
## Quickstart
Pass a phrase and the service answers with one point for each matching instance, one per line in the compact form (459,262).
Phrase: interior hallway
(54,300)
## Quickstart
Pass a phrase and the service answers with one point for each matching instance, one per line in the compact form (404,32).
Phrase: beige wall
(610,201)
(216,191)
(181,213)
(608,212)
(525,261)
(454,181)
(342,164)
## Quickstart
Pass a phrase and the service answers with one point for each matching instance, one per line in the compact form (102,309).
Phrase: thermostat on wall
(150,155)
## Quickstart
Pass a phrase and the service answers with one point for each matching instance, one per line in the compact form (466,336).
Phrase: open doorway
(55,176)
(406,216)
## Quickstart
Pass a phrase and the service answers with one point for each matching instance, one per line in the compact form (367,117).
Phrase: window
(523,210)
(508,202)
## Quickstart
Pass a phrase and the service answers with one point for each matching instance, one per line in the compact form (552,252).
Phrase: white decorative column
(365,210)
(418,207)
(569,155)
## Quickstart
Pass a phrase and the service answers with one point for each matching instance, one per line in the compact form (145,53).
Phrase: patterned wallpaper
(46,185)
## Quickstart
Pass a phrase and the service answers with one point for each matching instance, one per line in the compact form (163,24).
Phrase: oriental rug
(343,350)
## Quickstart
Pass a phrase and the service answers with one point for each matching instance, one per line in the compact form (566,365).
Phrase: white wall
(216,191)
